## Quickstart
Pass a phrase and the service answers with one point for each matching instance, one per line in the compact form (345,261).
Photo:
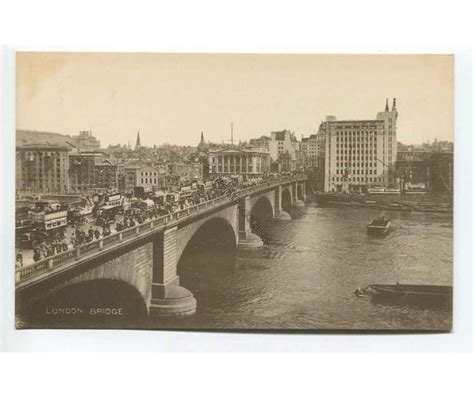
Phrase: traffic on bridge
(50,233)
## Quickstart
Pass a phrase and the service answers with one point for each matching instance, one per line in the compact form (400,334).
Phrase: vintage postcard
(234,191)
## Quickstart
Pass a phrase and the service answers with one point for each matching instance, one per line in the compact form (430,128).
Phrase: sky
(171,98)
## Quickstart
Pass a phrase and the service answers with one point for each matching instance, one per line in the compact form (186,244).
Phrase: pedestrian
(36,255)
(96,234)
(19,258)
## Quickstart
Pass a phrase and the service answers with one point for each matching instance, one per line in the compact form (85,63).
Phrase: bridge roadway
(153,248)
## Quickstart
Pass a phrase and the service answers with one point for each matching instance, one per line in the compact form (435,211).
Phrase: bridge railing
(48,264)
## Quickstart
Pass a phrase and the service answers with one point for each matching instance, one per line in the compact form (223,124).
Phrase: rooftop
(43,139)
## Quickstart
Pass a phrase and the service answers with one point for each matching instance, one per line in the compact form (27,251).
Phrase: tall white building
(360,153)
(284,148)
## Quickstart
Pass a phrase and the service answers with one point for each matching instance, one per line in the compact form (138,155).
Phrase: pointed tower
(138,145)
(202,144)
(394,105)
(386,105)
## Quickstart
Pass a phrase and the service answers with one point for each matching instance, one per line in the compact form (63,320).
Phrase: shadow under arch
(286,200)
(101,303)
(207,257)
(260,218)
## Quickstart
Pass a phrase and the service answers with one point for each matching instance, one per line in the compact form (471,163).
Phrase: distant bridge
(144,259)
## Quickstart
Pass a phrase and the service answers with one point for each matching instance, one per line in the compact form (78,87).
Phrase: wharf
(432,204)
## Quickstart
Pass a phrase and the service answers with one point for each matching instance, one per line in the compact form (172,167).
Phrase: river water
(305,277)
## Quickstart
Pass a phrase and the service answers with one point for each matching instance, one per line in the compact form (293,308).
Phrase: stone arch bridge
(145,257)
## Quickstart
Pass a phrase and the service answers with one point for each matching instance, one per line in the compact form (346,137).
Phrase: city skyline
(171,98)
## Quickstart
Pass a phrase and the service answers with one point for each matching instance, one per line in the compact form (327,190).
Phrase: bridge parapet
(46,267)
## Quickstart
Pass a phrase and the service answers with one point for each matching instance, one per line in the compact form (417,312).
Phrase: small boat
(379,226)
(411,294)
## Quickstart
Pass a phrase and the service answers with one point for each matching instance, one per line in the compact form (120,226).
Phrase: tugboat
(379,226)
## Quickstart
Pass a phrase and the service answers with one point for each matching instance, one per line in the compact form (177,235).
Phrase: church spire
(202,137)
(138,145)
(394,106)
(386,105)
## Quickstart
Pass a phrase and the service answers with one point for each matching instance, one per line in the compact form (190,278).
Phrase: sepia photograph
(238,192)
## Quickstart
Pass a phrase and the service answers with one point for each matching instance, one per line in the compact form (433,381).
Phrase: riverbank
(419,203)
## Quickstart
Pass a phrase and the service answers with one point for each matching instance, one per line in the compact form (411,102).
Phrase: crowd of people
(47,248)
(138,215)
(79,236)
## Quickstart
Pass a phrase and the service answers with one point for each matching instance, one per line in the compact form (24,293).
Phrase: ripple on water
(306,275)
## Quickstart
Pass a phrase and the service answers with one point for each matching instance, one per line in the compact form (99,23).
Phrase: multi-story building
(360,153)
(183,172)
(120,177)
(42,169)
(431,169)
(151,178)
(310,151)
(262,142)
(249,163)
(411,167)
(283,151)
(42,164)
(131,176)
(106,175)
(85,141)
(321,159)
(82,170)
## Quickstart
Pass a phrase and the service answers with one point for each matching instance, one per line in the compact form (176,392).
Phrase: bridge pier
(246,239)
(279,214)
(168,298)
(303,189)
(298,196)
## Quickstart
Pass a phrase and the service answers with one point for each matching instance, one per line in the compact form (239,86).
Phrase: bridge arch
(261,214)
(214,233)
(98,303)
(286,200)
(208,253)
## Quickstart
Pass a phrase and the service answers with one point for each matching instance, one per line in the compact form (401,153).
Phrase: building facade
(131,175)
(82,170)
(432,170)
(360,154)
(106,175)
(42,162)
(262,142)
(42,168)
(85,141)
(183,172)
(249,163)
(284,148)
(151,178)
(310,151)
